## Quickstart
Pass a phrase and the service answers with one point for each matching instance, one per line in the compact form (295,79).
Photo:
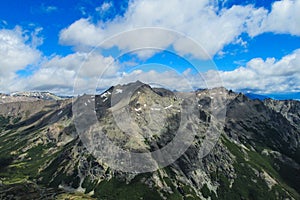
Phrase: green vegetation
(205,191)
(248,184)
(5,160)
(88,184)
(52,176)
(117,189)
(16,120)
(175,195)
(31,162)
(4,121)
(182,190)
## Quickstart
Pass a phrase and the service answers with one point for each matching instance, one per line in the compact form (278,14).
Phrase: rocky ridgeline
(290,109)
(27,96)
(4,98)
(254,155)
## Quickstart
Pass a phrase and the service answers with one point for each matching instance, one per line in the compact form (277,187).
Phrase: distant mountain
(277,96)
(256,96)
(285,96)
(256,154)
(38,95)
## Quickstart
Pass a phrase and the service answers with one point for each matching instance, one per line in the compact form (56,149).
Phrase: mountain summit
(236,148)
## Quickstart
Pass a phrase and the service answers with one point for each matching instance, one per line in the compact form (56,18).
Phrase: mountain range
(236,147)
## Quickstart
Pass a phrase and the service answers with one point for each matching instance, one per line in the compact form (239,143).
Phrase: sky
(81,46)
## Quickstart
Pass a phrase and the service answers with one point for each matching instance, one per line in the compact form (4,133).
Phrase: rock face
(37,95)
(27,97)
(289,109)
(240,148)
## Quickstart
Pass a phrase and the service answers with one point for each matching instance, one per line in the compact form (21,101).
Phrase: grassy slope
(244,185)
(14,172)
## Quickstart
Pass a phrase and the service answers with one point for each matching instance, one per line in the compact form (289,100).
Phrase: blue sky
(251,46)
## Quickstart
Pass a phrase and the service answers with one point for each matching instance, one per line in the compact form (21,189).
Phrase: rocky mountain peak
(255,151)
(38,95)
(290,109)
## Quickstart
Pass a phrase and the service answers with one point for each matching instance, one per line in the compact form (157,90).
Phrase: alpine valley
(256,154)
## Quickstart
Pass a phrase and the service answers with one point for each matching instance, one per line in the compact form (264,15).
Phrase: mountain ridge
(42,146)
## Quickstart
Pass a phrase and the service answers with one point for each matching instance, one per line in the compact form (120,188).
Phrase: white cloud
(196,19)
(143,42)
(284,18)
(36,39)
(207,26)
(15,54)
(88,65)
(265,76)
(168,79)
(63,74)
(59,74)
(104,7)
(48,9)
(201,20)
(81,32)
(258,75)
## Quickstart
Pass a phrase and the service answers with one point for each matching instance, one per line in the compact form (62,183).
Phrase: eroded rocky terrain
(240,149)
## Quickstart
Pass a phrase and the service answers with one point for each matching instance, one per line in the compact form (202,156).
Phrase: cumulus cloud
(80,73)
(81,32)
(265,76)
(258,75)
(167,79)
(211,27)
(59,74)
(203,31)
(283,18)
(199,20)
(15,54)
